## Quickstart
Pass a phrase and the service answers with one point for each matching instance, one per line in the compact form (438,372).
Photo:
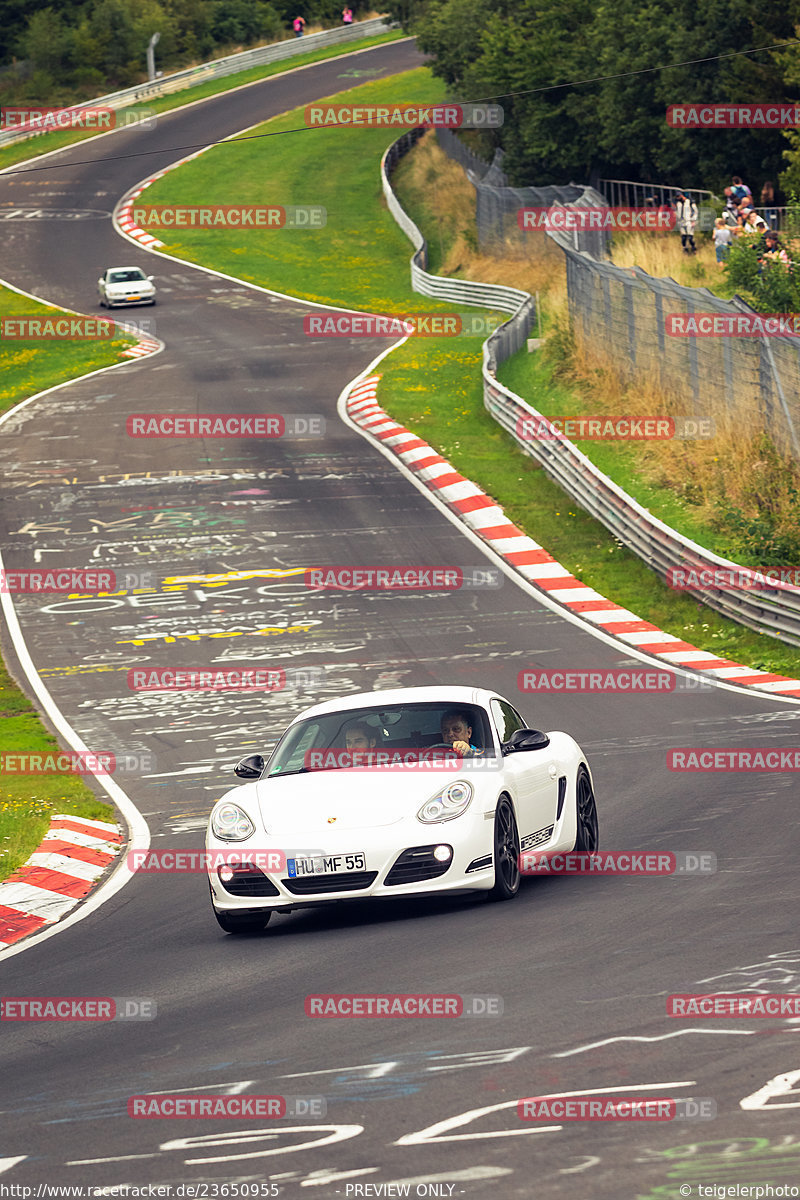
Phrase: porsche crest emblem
(332,820)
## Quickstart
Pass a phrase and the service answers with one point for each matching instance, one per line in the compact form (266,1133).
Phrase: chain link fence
(744,384)
(773,610)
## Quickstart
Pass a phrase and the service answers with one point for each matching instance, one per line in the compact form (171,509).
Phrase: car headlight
(448,803)
(230,823)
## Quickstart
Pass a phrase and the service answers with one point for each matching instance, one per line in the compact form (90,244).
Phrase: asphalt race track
(583,966)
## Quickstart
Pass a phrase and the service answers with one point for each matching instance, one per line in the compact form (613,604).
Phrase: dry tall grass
(736,482)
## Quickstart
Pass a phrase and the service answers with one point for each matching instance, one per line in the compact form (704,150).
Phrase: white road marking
(780,1085)
(661,1037)
(433,1132)
(7,1163)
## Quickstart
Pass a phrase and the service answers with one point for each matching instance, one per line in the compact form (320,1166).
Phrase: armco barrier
(775,612)
(510,336)
(220,67)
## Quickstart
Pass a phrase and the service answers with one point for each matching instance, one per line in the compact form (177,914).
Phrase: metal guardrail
(627,193)
(218,69)
(775,612)
(511,334)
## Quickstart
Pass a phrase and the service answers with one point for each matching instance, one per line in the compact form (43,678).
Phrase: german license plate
(325,864)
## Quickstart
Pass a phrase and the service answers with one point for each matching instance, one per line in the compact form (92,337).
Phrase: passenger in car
(359,736)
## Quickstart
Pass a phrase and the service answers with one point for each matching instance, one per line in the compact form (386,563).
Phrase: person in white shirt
(686,217)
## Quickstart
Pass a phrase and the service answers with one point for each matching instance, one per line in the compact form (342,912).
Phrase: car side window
(507,720)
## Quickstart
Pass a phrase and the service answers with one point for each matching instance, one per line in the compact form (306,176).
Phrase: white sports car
(125,285)
(395,793)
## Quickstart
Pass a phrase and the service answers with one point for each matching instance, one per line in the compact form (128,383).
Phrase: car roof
(131,267)
(442,693)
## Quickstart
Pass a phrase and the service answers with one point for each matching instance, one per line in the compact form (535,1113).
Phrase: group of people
(299,23)
(739,219)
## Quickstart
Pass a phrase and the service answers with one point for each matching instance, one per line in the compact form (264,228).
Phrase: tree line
(73,49)
(585,86)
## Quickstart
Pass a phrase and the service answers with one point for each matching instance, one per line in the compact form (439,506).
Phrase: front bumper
(407,869)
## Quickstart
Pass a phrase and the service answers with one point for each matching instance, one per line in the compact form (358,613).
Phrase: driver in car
(457,730)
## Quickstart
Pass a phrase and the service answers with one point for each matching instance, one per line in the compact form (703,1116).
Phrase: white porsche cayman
(395,793)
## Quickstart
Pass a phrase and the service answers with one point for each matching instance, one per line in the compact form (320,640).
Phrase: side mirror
(250,767)
(526,739)
(150,278)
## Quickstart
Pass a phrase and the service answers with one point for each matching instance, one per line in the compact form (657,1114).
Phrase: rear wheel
(242,922)
(587,836)
(506,852)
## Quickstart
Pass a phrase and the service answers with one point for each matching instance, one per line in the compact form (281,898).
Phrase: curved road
(583,966)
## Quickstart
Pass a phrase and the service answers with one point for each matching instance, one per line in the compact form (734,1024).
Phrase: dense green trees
(58,50)
(535,55)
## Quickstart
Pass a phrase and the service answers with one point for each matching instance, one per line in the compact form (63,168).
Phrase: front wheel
(506,853)
(587,836)
(242,922)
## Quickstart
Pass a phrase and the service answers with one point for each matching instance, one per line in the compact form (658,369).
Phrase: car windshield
(390,735)
(131,275)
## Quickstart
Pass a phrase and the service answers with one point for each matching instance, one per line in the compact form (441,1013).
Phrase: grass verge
(28,802)
(433,386)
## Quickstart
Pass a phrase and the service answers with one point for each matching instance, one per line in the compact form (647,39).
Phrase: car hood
(125,288)
(345,799)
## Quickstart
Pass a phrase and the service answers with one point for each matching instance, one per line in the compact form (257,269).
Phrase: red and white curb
(487,519)
(62,870)
(123,214)
(143,347)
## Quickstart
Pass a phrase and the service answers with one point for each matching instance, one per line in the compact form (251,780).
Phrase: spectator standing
(740,190)
(768,204)
(722,241)
(686,217)
(298,24)
(347,15)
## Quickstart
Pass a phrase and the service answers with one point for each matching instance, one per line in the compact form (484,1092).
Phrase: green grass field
(28,802)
